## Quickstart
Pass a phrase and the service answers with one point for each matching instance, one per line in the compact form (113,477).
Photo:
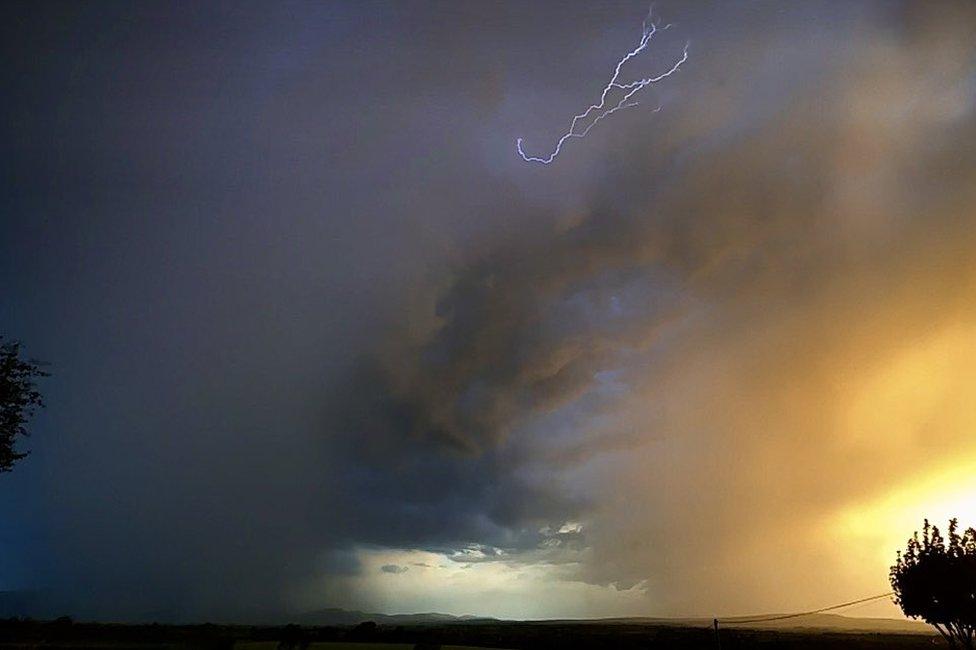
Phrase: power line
(783,617)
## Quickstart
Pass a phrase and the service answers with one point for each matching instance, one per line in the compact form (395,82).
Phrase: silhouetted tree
(935,580)
(293,637)
(19,398)
(365,631)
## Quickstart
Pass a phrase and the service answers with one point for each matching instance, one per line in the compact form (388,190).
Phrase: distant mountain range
(825,622)
(335,616)
(38,605)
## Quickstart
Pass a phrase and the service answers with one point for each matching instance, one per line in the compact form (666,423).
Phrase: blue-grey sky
(318,337)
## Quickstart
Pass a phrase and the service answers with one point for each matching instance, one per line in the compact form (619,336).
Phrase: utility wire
(783,617)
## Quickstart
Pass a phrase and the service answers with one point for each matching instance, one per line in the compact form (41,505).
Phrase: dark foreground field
(449,636)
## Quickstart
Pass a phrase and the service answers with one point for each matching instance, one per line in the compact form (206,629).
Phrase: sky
(318,337)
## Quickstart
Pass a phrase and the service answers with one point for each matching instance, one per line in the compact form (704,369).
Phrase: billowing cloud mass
(362,356)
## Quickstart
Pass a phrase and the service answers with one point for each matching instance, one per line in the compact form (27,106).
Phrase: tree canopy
(19,399)
(935,580)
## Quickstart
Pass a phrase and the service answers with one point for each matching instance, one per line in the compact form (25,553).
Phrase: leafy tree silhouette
(293,637)
(19,398)
(935,580)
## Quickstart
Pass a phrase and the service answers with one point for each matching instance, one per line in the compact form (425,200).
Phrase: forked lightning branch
(616,95)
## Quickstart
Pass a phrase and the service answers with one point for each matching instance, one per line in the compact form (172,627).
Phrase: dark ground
(19,633)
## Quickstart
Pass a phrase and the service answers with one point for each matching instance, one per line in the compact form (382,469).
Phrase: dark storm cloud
(729,237)
(302,298)
(527,328)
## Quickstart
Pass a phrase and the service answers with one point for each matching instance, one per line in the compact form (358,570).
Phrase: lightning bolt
(605,108)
